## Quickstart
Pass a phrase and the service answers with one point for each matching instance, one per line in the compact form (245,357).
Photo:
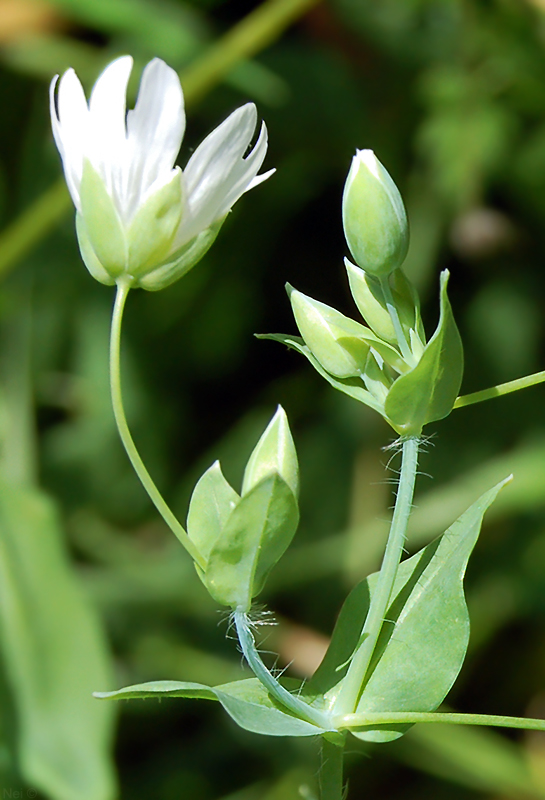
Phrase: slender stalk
(331,770)
(125,434)
(500,389)
(354,721)
(352,685)
(293,704)
(394,316)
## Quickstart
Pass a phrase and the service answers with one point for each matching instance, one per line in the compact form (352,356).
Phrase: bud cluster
(241,537)
(386,364)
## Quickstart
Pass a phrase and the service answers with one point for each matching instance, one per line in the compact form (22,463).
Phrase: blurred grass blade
(53,655)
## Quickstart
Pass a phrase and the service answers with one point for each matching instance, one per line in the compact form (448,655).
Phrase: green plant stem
(125,434)
(331,770)
(292,703)
(394,316)
(500,389)
(352,686)
(355,721)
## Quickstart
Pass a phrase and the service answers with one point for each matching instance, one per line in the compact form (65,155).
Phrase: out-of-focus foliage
(451,96)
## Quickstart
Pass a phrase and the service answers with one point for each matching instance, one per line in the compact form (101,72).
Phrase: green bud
(374,218)
(338,342)
(274,453)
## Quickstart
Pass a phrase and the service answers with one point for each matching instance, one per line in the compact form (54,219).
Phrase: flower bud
(374,218)
(274,453)
(335,340)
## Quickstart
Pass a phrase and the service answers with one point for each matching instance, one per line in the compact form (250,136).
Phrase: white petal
(217,174)
(155,129)
(107,110)
(70,127)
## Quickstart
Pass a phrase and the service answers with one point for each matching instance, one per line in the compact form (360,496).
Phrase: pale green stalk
(500,389)
(410,717)
(125,434)
(394,316)
(292,703)
(331,770)
(352,685)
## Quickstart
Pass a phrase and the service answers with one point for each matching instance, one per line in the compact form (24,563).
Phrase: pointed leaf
(246,701)
(254,538)
(427,393)
(211,504)
(158,689)
(423,642)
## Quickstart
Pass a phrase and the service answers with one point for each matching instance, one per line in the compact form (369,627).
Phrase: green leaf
(353,387)
(54,655)
(250,705)
(424,638)
(211,504)
(427,393)
(254,538)
(247,702)
(159,689)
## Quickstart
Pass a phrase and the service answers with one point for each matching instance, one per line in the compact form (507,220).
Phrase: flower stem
(292,703)
(500,389)
(352,685)
(125,434)
(355,721)
(394,316)
(331,770)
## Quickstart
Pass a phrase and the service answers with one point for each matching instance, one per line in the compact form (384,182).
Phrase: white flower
(140,218)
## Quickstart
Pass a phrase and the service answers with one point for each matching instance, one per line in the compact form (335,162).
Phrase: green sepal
(181,261)
(353,387)
(103,225)
(425,634)
(210,507)
(427,393)
(89,256)
(247,702)
(274,453)
(154,226)
(253,539)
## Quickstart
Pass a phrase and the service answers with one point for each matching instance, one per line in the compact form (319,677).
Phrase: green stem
(500,389)
(354,721)
(352,685)
(406,351)
(125,434)
(293,704)
(331,770)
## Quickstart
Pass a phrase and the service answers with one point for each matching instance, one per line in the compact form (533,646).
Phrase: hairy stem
(331,770)
(293,704)
(353,683)
(125,434)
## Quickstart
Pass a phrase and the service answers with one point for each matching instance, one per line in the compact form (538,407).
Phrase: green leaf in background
(53,654)
(247,702)
(424,638)
(254,538)
(427,393)
(212,502)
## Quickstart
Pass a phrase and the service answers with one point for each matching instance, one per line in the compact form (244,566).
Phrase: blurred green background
(95,593)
